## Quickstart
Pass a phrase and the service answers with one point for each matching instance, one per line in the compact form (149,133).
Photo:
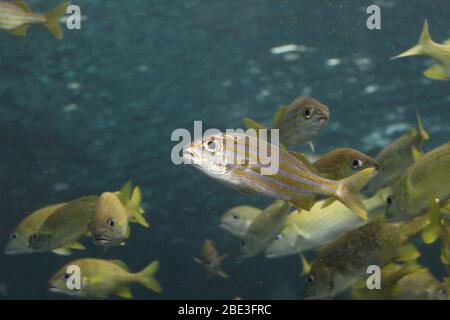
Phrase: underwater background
(86,114)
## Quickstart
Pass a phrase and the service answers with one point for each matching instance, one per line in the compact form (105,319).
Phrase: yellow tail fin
(146,277)
(433,230)
(348,189)
(425,39)
(53,18)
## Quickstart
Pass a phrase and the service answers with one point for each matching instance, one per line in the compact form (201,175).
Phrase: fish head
(440,292)
(237,220)
(285,243)
(109,225)
(307,113)
(39,241)
(59,282)
(18,242)
(319,283)
(354,161)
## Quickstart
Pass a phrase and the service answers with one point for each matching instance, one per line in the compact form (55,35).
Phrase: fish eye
(389,200)
(212,146)
(279,237)
(443,292)
(235,216)
(357,163)
(110,223)
(310,279)
(308,112)
(14,236)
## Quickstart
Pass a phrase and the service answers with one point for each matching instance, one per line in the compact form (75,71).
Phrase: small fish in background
(102,278)
(424,181)
(396,157)
(308,230)
(210,259)
(343,162)
(113,212)
(16,17)
(298,123)
(18,242)
(61,231)
(341,263)
(438,52)
(264,228)
(293,181)
(409,281)
(237,220)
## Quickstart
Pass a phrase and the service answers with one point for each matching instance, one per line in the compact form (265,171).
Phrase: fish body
(16,17)
(299,122)
(112,214)
(395,158)
(237,220)
(264,228)
(307,230)
(426,179)
(63,228)
(343,162)
(102,278)
(235,159)
(19,240)
(342,262)
(211,260)
(440,53)
(421,285)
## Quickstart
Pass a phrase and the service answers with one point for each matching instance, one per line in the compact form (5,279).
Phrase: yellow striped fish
(239,160)
(299,122)
(16,17)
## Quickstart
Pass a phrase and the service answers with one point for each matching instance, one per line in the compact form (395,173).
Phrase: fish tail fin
(433,230)
(53,17)
(348,191)
(147,277)
(422,132)
(425,39)
(306,266)
(132,200)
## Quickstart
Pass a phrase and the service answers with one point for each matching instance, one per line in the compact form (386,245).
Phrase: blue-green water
(83,115)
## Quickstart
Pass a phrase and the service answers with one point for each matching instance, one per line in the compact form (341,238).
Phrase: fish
(18,242)
(264,228)
(237,220)
(61,231)
(112,214)
(234,159)
(211,260)
(409,281)
(440,53)
(396,157)
(425,180)
(16,17)
(343,162)
(311,230)
(102,278)
(341,263)
(298,122)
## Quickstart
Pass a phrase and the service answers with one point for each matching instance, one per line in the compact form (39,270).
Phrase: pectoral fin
(62,251)
(125,293)
(20,31)
(436,72)
(408,253)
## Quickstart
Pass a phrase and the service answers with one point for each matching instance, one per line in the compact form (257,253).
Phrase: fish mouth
(102,240)
(323,118)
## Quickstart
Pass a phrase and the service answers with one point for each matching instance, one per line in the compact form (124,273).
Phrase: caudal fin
(348,189)
(147,279)
(424,39)
(53,17)
(252,124)
(134,206)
